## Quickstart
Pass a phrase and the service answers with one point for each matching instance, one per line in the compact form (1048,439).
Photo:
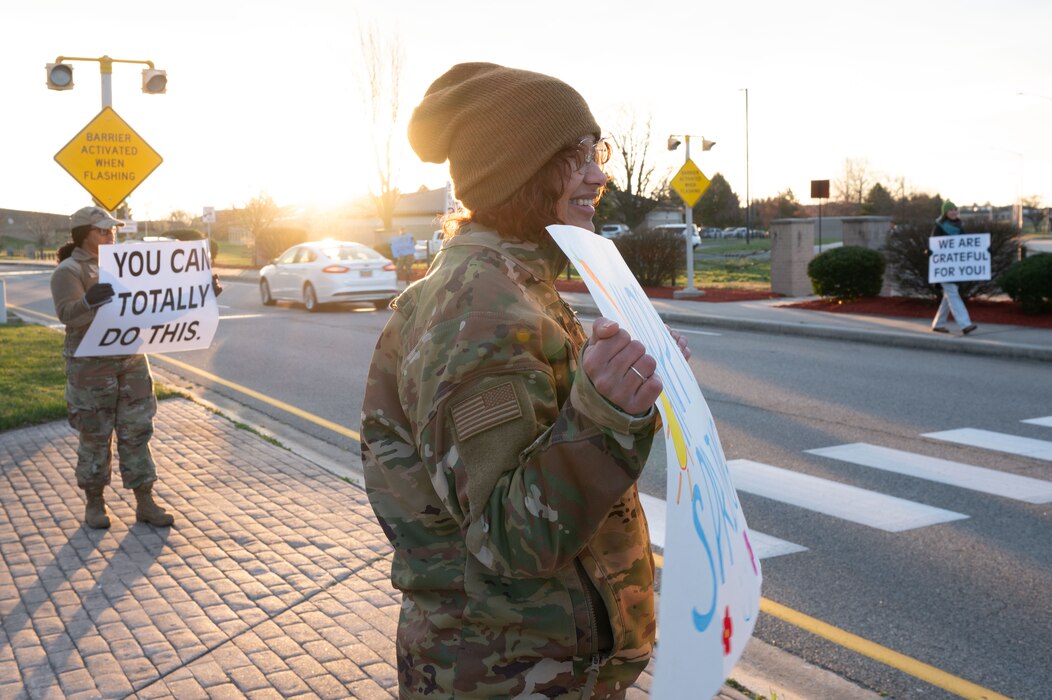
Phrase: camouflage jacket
(506,485)
(70,280)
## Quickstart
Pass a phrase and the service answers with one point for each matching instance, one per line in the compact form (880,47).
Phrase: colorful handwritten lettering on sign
(163,300)
(961,258)
(710,583)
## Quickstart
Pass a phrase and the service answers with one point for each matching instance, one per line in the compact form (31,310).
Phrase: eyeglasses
(588,151)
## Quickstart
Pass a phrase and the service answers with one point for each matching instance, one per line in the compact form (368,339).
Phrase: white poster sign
(710,582)
(452,205)
(208,215)
(961,258)
(163,300)
(402,246)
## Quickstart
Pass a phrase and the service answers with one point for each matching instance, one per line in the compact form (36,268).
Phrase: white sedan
(321,272)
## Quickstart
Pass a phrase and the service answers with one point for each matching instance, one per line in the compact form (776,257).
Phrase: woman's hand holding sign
(98,294)
(620,368)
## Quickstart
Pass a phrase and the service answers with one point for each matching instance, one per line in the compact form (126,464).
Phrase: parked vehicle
(712,232)
(427,249)
(680,229)
(613,230)
(320,272)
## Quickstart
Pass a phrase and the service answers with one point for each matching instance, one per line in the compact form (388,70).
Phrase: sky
(950,98)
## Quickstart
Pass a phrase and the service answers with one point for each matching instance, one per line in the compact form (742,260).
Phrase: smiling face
(97,237)
(582,184)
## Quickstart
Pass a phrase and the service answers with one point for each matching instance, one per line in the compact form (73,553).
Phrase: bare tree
(630,171)
(256,216)
(42,229)
(1032,210)
(179,219)
(380,81)
(854,182)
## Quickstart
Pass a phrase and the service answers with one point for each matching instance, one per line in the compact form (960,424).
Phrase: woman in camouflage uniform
(104,394)
(501,444)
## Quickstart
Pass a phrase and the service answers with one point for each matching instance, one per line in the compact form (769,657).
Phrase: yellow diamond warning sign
(690,183)
(108,159)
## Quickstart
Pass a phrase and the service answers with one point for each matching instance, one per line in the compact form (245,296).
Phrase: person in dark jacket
(949,224)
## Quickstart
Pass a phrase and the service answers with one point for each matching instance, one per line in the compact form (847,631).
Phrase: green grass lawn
(733,246)
(744,273)
(33,378)
(233,254)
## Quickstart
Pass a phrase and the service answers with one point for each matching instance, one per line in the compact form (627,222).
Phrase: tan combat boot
(95,512)
(146,511)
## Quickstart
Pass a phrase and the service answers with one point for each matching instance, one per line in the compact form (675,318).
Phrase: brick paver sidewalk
(273,583)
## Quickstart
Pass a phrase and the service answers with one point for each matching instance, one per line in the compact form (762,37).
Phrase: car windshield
(347,252)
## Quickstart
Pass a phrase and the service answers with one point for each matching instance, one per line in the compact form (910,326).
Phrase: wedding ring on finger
(638,373)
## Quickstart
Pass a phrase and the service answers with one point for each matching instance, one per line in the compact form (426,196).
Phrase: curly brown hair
(525,213)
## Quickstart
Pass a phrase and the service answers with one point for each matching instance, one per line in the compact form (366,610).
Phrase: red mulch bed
(980,310)
(711,295)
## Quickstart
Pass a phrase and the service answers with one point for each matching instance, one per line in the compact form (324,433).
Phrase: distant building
(662,215)
(31,232)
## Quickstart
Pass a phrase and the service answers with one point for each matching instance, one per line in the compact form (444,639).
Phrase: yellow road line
(888,657)
(33,313)
(288,408)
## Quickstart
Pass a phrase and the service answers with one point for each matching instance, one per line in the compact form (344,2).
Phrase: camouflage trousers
(107,395)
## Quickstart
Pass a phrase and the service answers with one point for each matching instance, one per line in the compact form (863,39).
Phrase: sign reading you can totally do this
(163,300)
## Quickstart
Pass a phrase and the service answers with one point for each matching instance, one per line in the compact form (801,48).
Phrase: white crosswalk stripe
(763,546)
(1000,442)
(943,471)
(871,508)
(842,501)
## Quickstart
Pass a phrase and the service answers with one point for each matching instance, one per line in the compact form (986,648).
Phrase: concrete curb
(974,346)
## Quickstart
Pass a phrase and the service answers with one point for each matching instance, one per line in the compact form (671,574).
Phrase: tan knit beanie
(497,126)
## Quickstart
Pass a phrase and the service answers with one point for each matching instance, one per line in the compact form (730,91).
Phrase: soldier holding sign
(500,452)
(104,394)
(949,224)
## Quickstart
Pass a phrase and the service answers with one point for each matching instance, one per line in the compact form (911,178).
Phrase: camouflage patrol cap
(497,126)
(93,216)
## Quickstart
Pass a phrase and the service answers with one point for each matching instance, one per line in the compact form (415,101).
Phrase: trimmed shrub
(272,242)
(185,234)
(192,234)
(1029,283)
(653,256)
(908,265)
(847,273)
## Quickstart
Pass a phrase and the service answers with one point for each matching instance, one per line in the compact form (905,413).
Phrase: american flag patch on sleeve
(486,410)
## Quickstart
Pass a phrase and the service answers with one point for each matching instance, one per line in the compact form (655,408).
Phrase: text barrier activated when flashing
(108,159)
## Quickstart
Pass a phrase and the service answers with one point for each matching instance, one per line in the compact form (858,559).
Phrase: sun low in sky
(945,97)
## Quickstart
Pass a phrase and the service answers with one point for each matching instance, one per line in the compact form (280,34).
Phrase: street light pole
(748,203)
(689,199)
(688,230)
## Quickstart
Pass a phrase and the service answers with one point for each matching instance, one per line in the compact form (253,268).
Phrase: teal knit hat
(947,206)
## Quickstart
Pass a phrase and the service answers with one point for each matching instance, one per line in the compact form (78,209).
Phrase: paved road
(876,411)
